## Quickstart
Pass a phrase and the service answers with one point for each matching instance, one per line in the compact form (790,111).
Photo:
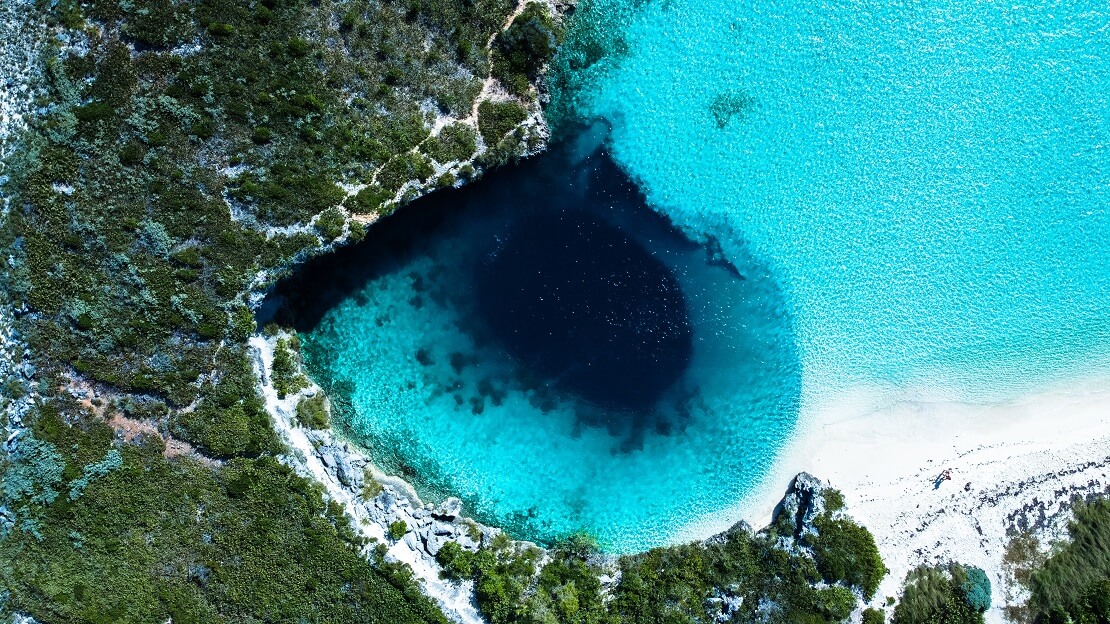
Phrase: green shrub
(935,596)
(525,47)
(834,500)
(846,553)
(330,223)
(217,29)
(356,231)
(457,563)
(836,602)
(311,412)
(977,589)
(455,142)
(873,616)
(285,370)
(370,486)
(397,530)
(496,119)
(1069,584)
(368,200)
(404,168)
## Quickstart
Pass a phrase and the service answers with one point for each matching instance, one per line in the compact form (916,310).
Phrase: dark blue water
(546,346)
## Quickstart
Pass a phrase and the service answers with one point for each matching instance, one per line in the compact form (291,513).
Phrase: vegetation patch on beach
(1070,583)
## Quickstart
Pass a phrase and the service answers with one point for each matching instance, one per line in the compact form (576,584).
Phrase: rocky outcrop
(804,501)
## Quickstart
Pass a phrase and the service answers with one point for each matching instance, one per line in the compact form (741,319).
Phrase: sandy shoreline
(1021,462)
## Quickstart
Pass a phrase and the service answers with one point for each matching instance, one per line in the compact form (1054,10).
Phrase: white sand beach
(1013,466)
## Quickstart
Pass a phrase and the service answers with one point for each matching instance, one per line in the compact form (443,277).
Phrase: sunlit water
(910,197)
(928,181)
(546,347)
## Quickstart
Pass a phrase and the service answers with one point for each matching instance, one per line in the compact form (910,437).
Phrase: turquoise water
(928,181)
(394,330)
(908,197)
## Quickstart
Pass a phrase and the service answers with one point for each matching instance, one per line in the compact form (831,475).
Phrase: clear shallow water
(928,181)
(545,346)
(915,195)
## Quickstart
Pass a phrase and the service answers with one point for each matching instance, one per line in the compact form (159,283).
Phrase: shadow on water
(560,270)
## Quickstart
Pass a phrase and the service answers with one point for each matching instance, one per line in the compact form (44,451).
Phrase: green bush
(496,119)
(369,200)
(846,553)
(457,563)
(455,142)
(397,530)
(330,223)
(935,596)
(285,370)
(1072,582)
(525,47)
(873,616)
(834,500)
(404,168)
(311,412)
(836,602)
(977,589)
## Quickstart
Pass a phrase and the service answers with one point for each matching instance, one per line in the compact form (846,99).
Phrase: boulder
(722,538)
(448,509)
(804,501)
(347,473)
(327,456)
(467,543)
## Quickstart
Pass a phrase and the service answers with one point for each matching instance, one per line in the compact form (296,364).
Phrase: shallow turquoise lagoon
(905,197)
(928,181)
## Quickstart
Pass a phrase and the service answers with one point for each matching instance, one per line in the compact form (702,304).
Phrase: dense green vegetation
(143,539)
(766,577)
(1073,584)
(845,553)
(519,50)
(951,594)
(190,153)
(497,119)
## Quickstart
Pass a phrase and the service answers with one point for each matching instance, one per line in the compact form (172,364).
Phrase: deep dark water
(585,304)
(559,267)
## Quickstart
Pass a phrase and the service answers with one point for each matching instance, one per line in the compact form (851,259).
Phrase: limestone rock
(803,502)
(449,509)
(347,474)
(722,538)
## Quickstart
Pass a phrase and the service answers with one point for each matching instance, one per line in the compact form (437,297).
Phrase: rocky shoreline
(345,472)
